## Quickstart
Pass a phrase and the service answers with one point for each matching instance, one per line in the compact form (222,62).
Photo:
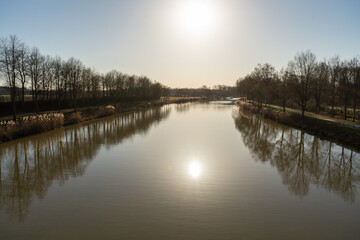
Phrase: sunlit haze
(196,18)
(194,169)
(186,43)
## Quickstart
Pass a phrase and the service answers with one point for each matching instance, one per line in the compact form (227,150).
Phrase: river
(185,171)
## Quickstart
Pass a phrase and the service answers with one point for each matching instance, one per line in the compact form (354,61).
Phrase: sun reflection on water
(195,169)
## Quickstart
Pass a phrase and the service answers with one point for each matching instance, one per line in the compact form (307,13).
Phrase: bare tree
(303,67)
(354,74)
(46,80)
(95,84)
(75,77)
(23,68)
(334,71)
(9,64)
(35,62)
(264,75)
(67,81)
(57,68)
(283,87)
(319,83)
(344,86)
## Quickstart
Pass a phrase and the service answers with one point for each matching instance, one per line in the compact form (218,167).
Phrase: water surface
(187,171)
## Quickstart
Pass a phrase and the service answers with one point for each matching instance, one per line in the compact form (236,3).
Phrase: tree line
(64,81)
(217,91)
(333,83)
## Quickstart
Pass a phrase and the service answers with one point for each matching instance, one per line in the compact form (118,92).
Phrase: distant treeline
(65,81)
(204,91)
(55,83)
(333,82)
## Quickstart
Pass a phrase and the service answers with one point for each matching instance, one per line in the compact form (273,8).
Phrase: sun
(196,18)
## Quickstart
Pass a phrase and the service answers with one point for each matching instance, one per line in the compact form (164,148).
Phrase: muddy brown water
(186,171)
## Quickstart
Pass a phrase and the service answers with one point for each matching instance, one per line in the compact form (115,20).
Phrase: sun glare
(196,17)
(195,169)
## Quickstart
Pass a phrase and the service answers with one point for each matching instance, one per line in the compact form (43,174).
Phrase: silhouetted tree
(35,62)
(9,62)
(334,67)
(303,67)
(320,83)
(23,68)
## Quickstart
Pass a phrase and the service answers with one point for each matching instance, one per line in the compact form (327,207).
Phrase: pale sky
(185,43)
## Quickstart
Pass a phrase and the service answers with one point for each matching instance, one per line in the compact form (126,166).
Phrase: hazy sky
(184,43)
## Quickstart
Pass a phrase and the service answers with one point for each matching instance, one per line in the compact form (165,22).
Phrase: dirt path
(325,118)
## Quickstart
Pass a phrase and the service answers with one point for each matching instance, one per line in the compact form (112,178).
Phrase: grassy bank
(333,131)
(34,124)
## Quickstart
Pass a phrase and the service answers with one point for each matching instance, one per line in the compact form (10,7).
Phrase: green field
(7,98)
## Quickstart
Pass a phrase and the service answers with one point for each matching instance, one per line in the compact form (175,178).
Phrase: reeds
(282,117)
(30,125)
(249,107)
(74,118)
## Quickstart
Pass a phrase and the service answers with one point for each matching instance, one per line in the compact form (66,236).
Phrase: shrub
(284,117)
(269,113)
(107,111)
(74,118)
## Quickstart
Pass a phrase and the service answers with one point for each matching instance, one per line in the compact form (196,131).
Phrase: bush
(107,111)
(284,117)
(269,113)
(74,118)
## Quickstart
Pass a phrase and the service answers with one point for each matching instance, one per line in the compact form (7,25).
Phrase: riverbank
(344,134)
(31,124)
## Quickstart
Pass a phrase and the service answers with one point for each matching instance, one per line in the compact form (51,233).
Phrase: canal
(185,171)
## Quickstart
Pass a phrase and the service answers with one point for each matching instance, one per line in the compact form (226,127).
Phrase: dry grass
(73,118)
(30,125)
(282,117)
(106,111)
(249,107)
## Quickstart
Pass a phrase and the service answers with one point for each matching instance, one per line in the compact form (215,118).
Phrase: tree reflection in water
(301,159)
(29,166)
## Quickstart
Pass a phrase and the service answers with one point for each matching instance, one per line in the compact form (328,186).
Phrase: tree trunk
(345,110)
(32,91)
(22,92)
(354,113)
(13,101)
(333,102)
(36,102)
(317,107)
(284,105)
(302,111)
